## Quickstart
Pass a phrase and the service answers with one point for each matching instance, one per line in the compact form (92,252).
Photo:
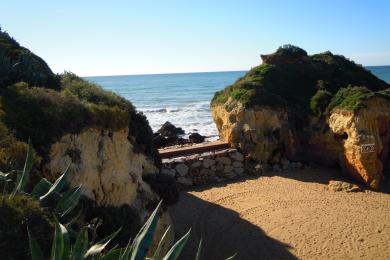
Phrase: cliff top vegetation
(290,77)
(38,104)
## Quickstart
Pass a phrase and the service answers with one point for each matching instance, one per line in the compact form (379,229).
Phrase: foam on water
(183,99)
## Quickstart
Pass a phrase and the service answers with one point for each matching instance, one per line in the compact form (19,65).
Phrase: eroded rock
(343,186)
(266,114)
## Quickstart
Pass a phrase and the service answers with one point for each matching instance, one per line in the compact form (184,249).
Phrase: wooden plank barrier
(201,148)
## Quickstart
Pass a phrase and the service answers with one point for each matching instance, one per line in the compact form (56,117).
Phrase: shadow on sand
(319,174)
(223,232)
(323,175)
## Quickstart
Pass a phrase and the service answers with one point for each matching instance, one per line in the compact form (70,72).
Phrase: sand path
(289,216)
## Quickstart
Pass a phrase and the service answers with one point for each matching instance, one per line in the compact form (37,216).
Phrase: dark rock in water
(196,138)
(159,141)
(168,130)
(169,135)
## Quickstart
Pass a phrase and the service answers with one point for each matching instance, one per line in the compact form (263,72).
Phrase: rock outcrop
(105,164)
(170,135)
(70,121)
(304,108)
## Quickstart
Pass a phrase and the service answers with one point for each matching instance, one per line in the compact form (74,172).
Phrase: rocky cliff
(304,107)
(70,121)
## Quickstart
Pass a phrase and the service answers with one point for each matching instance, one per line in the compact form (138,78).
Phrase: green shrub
(220,97)
(290,78)
(15,215)
(320,101)
(238,93)
(44,115)
(350,98)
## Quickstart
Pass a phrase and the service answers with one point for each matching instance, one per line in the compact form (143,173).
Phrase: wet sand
(286,216)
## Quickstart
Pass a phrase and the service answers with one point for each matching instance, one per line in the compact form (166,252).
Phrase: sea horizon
(194,72)
(182,98)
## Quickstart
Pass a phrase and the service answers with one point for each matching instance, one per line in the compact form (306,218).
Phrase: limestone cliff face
(105,164)
(258,131)
(320,107)
(108,169)
(356,140)
(365,139)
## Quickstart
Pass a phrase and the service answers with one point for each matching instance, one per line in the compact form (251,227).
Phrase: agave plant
(136,249)
(44,190)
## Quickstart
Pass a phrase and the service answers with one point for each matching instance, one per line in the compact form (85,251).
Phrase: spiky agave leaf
(60,246)
(176,249)
(161,243)
(81,245)
(97,248)
(36,252)
(41,188)
(24,175)
(199,252)
(58,185)
(144,238)
(68,201)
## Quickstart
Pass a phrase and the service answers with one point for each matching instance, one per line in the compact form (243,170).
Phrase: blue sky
(140,37)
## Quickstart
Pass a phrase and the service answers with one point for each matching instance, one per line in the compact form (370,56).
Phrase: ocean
(184,98)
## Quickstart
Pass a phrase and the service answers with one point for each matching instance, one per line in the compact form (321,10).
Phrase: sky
(92,38)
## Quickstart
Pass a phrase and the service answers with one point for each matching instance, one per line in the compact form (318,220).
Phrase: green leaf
(81,245)
(127,252)
(4,176)
(101,245)
(58,184)
(69,200)
(23,178)
(231,257)
(199,252)
(176,249)
(67,248)
(42,187)
(112,255)
(57,250)
(161,243)
(36,252)
(144,238)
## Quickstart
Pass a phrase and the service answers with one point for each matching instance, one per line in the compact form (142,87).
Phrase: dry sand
(289,216)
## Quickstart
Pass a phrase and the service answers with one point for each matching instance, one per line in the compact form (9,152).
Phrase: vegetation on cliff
(20,64)
(28,220)
(291,78)
(35,103)
(17,214)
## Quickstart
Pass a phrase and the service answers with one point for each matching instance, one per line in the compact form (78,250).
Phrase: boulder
(182,169)
(228,169)
(169,130)
(238,164)
(169,172)
(276,168)
(207,163)
(186,181)
(196,138)
(196,164)
(343,186)
(223,160)
(169,135)
(239,171)
(237,156)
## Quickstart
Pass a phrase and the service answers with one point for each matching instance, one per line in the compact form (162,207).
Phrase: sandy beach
(286,216)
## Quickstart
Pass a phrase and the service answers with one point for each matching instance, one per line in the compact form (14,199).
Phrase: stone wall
(208,167)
